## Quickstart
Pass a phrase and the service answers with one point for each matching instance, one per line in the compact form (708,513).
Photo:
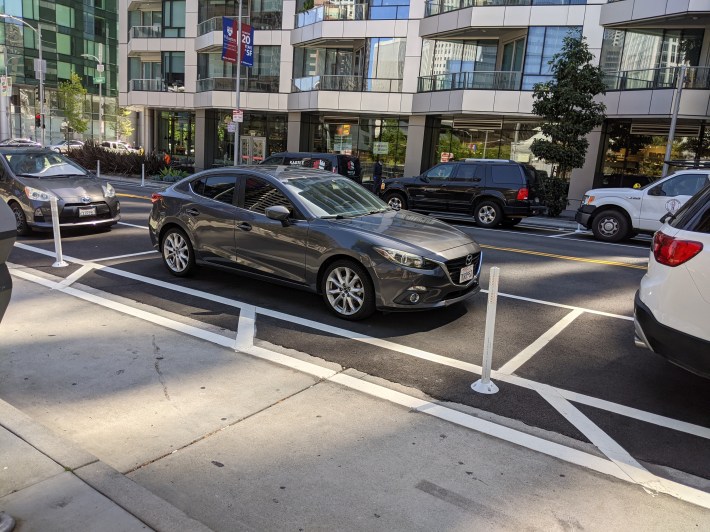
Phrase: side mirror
(424,178)
(656,191)
(278,212)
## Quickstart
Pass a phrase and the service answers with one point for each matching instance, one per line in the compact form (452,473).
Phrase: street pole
(674,120)
(5,103)
(100,69)
(239,68)
(41,82)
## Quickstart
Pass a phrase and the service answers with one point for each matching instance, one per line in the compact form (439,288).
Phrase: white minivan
(672,306)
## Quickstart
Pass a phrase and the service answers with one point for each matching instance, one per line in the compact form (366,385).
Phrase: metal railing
(214,24)
(346,84)
(657,78)
(437,7)
(252,84)
(260,20)
(480,80)
(153,85)
(331,12)
(145,32)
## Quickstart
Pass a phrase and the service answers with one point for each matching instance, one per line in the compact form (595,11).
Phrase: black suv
(493,191)
(346,165)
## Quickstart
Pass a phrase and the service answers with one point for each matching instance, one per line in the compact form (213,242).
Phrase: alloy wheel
(395,202)
(345,291)
(486,214)
(176,252)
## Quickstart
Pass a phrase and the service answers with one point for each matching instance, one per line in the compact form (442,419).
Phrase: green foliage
(171,175)
(553,193)
(124,127)
(566,105)
(114,162)
(71,98)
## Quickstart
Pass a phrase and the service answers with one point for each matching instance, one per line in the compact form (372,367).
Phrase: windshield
(335,197)
(43,165)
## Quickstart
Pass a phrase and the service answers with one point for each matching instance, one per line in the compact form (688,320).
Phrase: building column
(201,141)
(147,131)
(416,133)
(582,179)
(293,136)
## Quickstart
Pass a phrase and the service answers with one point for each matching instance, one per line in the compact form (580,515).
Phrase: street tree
(71,98)
(567,106)
(124,127)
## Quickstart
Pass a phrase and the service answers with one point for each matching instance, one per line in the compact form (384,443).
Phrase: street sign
(99,80)
(237,115)
(380,148)
(231,127)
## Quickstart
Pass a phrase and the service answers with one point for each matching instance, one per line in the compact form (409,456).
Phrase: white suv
(672,306)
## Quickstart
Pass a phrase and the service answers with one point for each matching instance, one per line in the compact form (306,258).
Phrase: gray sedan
(314,230)
(30,177)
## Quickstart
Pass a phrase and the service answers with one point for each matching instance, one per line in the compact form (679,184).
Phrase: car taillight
(155,197)
(672,251)
(522,194)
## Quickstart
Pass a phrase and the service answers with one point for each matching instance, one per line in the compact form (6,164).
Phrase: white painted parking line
(564,234)
(126,256)
(581,458)
(526,354)
(86,268)
(630,412)
(134,225)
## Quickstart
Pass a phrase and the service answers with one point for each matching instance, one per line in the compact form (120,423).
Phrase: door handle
(476,179)
(192,212)
(244,226)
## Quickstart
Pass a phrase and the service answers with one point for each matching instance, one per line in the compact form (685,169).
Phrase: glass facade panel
(262,14)
(219,149)
(453,57)
(543,43)
(262,77)
(173,18)
(388,9)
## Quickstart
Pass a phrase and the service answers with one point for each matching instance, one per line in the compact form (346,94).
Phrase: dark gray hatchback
(29,177)
(318,231)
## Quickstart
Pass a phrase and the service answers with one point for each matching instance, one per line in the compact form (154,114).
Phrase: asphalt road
(564,320)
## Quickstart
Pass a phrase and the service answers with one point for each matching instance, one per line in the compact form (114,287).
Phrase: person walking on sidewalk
(377,176)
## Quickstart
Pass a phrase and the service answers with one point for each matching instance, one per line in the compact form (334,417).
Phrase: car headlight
(38,195)
(109,191)
(587,199)
(405,259)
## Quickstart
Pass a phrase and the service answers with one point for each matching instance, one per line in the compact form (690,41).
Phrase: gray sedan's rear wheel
(23,228)
(347,290)
(177,252)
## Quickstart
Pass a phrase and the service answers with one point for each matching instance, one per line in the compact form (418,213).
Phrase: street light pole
(41,69)
(100,68)
(239,68)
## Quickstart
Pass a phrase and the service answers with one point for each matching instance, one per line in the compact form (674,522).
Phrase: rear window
(695,214)
(319,163)
(505,174)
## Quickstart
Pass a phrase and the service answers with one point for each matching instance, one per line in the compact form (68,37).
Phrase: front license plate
(466,274)
(88,211)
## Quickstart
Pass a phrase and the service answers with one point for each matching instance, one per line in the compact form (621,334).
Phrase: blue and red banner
(229,42)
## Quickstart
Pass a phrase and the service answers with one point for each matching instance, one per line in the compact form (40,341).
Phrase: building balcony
(657,78)
(346,84)
(437,7)
(255,84)
(480,80)
(155,85)
(145,32)
(639,13)
(331,12)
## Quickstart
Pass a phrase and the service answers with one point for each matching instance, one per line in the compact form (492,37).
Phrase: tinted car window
(440,172)
(274,160)
(505,174)
(694,215)
(468,172)
(683,185)
(319,163)
(258,195)
(216,187)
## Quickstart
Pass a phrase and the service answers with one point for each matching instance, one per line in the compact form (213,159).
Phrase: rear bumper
(684,350)
(524,211)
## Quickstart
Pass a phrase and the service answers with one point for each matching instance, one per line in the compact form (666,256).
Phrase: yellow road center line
(565,257)
(123,195)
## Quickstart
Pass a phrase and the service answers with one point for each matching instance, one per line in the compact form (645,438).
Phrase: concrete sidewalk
(185,434)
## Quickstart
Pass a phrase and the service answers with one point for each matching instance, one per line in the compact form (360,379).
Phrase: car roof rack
(474,160)
(680,163)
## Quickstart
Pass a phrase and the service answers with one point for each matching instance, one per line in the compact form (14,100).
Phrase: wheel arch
(169,225)
(341,256)
(611,207)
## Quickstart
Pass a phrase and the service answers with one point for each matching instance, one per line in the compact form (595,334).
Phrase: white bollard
(581,229)
(98,168)
(143,174)
(59,263)
(485,384)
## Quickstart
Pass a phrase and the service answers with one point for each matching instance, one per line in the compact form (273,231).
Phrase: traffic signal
(38,120)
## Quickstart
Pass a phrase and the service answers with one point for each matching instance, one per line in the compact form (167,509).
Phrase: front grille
(454,266)
(70,212)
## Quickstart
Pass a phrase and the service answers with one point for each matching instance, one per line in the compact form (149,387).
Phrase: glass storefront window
(261,134)
(176,135)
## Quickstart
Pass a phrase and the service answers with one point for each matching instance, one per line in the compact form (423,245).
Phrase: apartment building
(411,81)
(72,32)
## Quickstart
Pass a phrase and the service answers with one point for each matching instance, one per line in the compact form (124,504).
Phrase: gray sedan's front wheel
(347,290)
(177,252)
